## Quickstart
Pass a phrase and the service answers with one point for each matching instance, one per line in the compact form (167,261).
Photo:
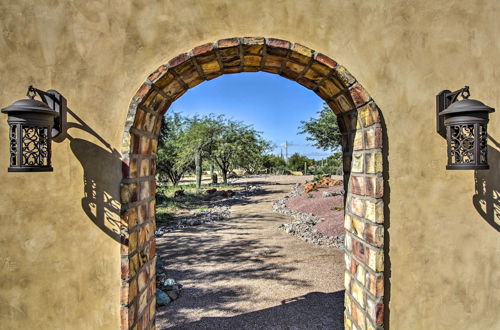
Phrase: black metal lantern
(32,126)
(464,124)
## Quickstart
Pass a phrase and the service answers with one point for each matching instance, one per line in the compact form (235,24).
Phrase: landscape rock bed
(217,211)
(306,225)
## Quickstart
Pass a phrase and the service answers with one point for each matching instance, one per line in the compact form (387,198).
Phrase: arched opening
(359,120)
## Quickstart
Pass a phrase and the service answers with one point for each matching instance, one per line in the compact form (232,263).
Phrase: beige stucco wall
(59,270)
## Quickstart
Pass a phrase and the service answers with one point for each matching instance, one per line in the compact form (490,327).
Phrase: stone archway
(359,119)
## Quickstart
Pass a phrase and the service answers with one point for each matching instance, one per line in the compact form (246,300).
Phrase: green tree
(170,162)
(199,140)
(323,130)
(296,162)
(270,162)
(237,145)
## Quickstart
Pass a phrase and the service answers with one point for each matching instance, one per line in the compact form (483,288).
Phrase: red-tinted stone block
(178,60)
(203,49)
(322,58)
(359,95)
(230,42)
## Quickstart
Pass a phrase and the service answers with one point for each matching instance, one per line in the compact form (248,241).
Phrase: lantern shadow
(100,199)
(486,200)
(101,172)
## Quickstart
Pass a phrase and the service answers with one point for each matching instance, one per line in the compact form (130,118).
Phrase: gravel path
(245,273)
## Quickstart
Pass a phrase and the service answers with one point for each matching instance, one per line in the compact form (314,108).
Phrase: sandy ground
(245,273)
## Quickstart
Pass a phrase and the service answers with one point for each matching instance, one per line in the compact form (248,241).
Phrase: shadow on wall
(487,197)
(101,174)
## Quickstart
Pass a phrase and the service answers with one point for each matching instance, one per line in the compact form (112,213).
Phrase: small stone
(173,294)
(162,298)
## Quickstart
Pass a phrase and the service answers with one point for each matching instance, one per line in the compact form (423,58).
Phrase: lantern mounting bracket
(443,100)
(56,102)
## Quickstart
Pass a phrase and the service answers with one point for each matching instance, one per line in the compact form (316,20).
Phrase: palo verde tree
(323,130)
(297,161)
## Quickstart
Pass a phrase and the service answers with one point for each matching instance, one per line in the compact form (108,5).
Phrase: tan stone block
(301,53)
(375,259)
(344,76)
(347,260)
(344,102)
(358,226)
(347,321)
(313,76)
(361,274)
(357,206)
(358,141)
(211,67)
(373,162)
(375,211)
(348,242)
(347,303)
(274,61)
(347,222)
(358,293)
(357,163)
(252,60)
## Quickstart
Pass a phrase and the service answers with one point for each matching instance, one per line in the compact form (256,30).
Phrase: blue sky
(272,104)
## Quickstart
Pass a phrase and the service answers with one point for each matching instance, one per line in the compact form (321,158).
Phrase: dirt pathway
(245,273)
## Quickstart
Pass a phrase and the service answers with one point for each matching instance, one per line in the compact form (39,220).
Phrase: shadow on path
(315,310)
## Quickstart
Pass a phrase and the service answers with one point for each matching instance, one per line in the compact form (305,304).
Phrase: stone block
(358,140)
(373,162)
(347,222)
(176,61)
(344,76)
(345,103)
(203,49)
(347,281)
(325,60)
(374,186)
(358,293)
(375,210)
(375,284)
(141,92)
(128,192)
(229,42)
(375,259)
(373,138)
(357,206)
(360,251)
(358,316)
(328,89)
(358,227)
(359,95)
(374,234)
(301,54)
(357,163)
(210,67)
(369,115)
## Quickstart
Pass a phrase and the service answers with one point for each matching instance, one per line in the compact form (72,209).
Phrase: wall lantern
(464,124)
(32,126)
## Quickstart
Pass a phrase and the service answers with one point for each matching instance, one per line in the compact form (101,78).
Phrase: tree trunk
(197,163)
(224,176)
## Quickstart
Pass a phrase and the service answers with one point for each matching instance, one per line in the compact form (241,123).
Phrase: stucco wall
(60,260)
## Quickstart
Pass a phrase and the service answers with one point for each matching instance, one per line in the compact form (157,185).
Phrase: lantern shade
(30,132)
(466,124)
